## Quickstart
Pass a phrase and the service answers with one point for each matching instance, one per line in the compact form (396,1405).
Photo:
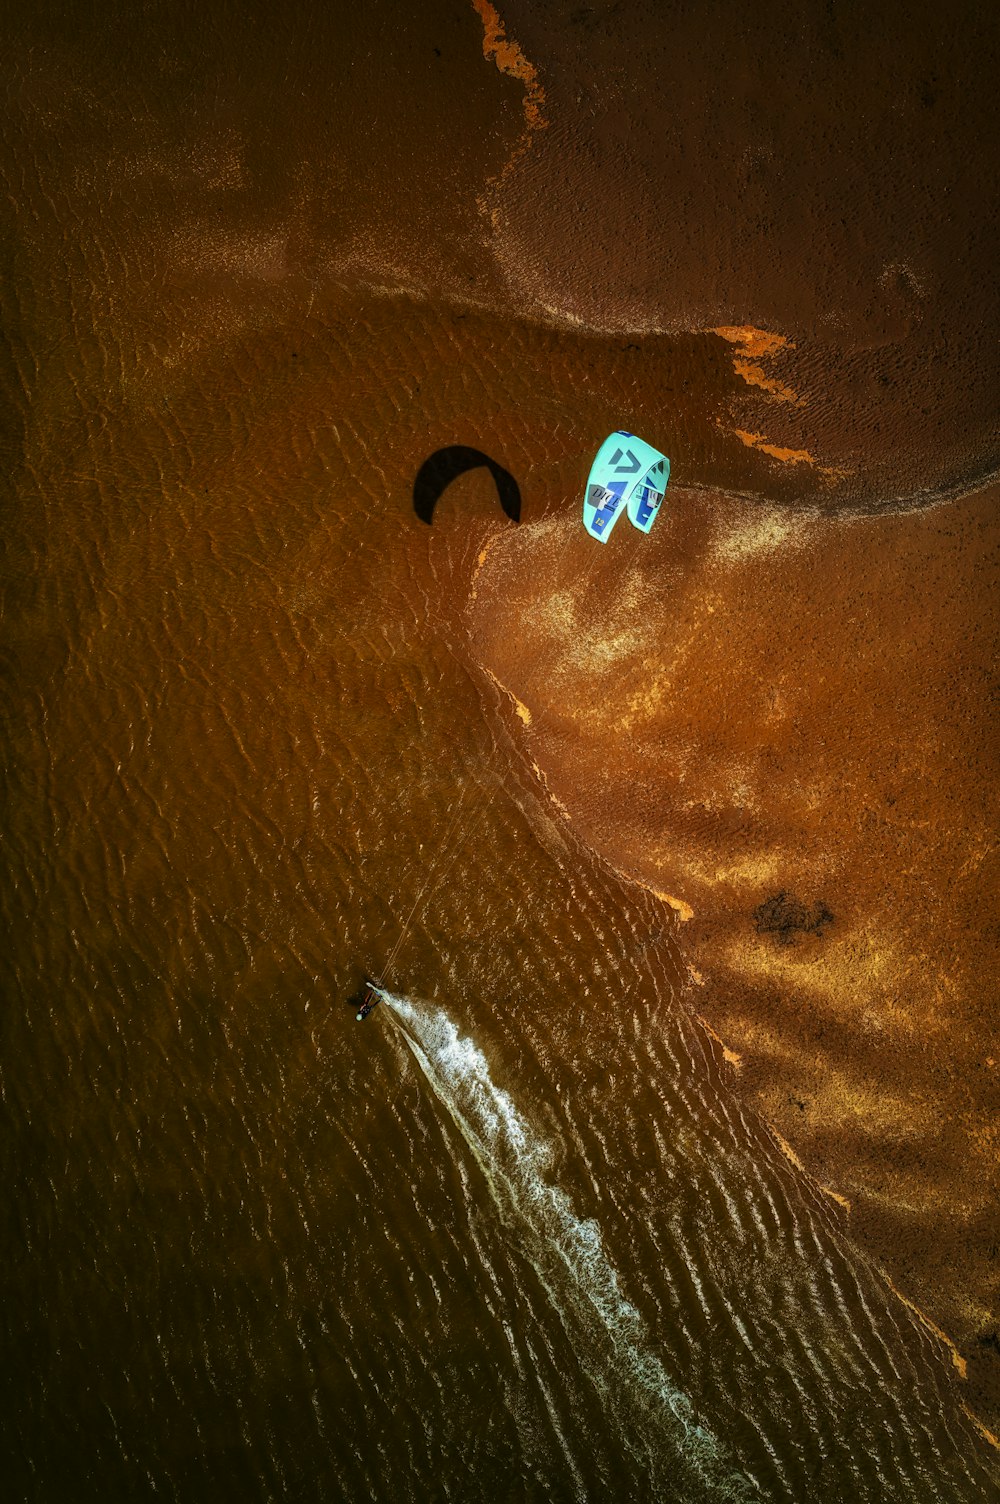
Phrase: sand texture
(786,727)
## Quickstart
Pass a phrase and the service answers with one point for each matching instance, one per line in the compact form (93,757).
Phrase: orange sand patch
(794,1159)
(731,1057)
(987,1435)
(754,345)
(543,780)
(925,1321)
(683,910)
(753,375)
(511,60)
(753,342)
(520,710)
(787,456)
(480,561)
(788,1151)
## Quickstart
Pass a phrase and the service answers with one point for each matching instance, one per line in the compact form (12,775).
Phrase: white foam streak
(567,1253)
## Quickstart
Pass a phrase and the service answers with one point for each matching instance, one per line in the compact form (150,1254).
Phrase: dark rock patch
(786,918)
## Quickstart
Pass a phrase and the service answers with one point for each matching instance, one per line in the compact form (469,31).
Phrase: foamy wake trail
(609,1336)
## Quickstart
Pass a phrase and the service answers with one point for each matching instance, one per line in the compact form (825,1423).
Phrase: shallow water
(514,1237)
(539,1250)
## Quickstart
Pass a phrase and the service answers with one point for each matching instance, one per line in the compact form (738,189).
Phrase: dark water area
(517,1235)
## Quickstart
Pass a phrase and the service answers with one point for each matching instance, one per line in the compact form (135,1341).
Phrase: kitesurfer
(369,1001)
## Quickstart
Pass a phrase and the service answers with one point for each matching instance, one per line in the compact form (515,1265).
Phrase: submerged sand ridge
(785,724)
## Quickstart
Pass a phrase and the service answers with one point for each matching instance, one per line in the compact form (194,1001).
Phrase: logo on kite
(630,466)
(625,477)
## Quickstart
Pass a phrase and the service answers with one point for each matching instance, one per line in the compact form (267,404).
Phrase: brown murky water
(516,1236)
(256,1246)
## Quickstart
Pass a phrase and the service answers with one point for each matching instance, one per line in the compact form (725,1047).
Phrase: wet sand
(785,727)
(825,175)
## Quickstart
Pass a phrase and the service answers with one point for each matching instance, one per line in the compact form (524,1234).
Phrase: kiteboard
(628,475)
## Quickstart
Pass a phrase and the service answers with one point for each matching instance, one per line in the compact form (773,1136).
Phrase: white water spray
(567,1253)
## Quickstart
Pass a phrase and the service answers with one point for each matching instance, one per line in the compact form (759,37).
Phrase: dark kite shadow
(445,465)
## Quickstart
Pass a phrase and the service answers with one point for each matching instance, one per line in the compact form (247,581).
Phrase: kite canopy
(627,475)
